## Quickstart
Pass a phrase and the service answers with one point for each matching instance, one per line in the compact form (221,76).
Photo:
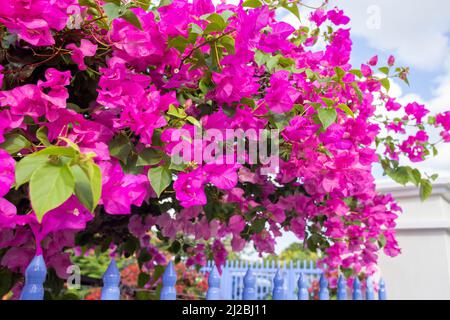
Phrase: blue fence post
(213,292)
(169,279)
(291,283)
(34,280)
(111,282)
(356,295)
(249,286)
(302,293)
(342,289)
(382,290)
(226,282)
(324,294)
(370,295)
(278,287)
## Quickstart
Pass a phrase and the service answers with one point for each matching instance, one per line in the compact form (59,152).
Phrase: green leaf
(164,3)
(293,8)
(50,186)
(327,117)
(346,109)
(143,279)
(120,147)
(329,102)
(258,225)
(88,184)
(149,157)
(426,188)
(272,61)
(112,11)
(15,142)
(385,83)
(160,178)
(400,175)
(384,70)
(229,44)
(227,14)
(116,2)
(144,4)
(177,167)
(357,73)
(180,43)
(157,273)
(7,281)
(193,121)
(217,19)
(131,17)
(42,136)
(195,28)
(56,151)
(261,58)
(176,112)
(358,91)
(252,3)
(415,177)
(213,27)
(175,247)
(26,167)
(340,73)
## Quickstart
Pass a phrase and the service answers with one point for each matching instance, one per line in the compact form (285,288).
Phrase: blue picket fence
(233,272)
(36,272)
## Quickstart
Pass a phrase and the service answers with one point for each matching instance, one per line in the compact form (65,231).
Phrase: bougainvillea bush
(92,92)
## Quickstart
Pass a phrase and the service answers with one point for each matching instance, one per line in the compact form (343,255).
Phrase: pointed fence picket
(111,282)
(34,280)
(251,290)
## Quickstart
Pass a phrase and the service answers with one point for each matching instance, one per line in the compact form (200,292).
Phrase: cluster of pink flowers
(226,67)
(443,119)
(34,20)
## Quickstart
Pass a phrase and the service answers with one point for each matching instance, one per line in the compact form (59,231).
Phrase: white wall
(422,271)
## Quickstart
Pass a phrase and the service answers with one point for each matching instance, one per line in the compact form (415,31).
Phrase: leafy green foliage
(327,117)
(14,143)
(160,178)
(55,173)
(50,186)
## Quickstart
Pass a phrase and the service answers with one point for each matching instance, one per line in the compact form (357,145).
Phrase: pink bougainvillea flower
(337,17)
(86,49)
(234,83)
(121,190)
(366,70)
(443,119)
(7,165)
(373,61)
(139,47)
(319,16)
(201,7)
(392,105)
(277,39)
(417,111)
(236,224)
(391,61)
(223,176)
(189,188)
(281,95)
(34,20)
